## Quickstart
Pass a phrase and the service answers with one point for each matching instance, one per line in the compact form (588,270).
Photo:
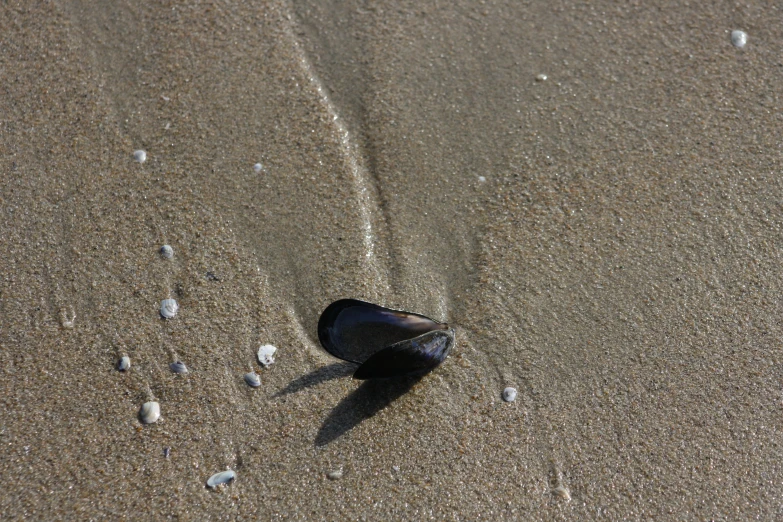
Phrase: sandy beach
(589,194)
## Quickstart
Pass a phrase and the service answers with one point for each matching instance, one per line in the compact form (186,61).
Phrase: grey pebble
(166,252)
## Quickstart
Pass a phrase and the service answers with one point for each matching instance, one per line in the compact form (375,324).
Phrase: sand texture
(607,239)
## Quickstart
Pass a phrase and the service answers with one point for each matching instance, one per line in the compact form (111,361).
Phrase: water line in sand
(360,176)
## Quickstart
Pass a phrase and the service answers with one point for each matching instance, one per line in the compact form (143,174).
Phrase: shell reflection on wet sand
(384,342)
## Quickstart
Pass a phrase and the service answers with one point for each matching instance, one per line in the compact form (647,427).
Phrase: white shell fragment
(739,39)
(140,156)
(266,354)
(509,394)
(166,252)
(168,308)
(224,477)
(124,364)
(335,475)
(150,412)
(541,78)
(253,380)
(258,167)
(178,367)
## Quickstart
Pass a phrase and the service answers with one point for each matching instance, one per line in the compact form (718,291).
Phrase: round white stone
(166,252)
(140,156)
(258,167)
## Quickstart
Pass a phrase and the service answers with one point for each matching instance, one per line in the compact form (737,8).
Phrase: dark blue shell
(385,342)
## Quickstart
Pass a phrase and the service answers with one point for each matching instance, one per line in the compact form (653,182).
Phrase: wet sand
(607,240)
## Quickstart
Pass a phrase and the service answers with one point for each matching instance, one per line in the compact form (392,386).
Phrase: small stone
(166,252)
(482,179)
(166,452)
(140,156)
(124,364)
(258,167)
(266,354)
(541,78)
(509,394)
(739,39)
(168,308)
(335,475)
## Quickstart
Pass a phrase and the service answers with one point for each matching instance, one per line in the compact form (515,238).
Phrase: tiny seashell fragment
(166,252)
(739,39)
(509,394)
(150,412)
(124,364)
(266,354)
(140,156)
(224,477)
(258,167)
(178,367)
(561,492)
(253,380)
(335,475)
(541,78)
(168,308)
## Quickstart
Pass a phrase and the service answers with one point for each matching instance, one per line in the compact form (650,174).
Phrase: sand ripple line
(360,176)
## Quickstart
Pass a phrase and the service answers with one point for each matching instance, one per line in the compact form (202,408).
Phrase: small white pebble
(140,156)
(541,78)
(266,354)
(258,167)
(739,39)
(509,394)
(482,179)
(166,252)
(335,475)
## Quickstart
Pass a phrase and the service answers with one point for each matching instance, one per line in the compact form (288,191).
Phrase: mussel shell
(412,357)
(386,342)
